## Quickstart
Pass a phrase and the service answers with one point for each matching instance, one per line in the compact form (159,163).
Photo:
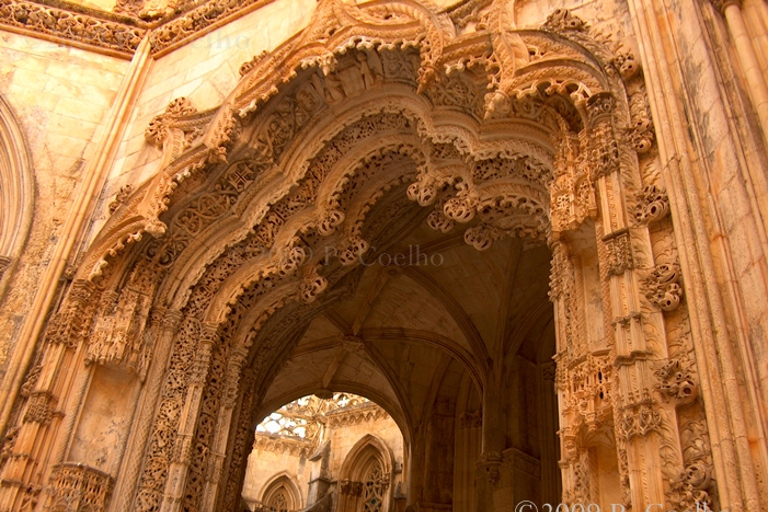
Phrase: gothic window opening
(279,502)
(373,487)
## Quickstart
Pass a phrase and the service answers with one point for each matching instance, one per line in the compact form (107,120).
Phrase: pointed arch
(281,494)
(16,189)
(365,476)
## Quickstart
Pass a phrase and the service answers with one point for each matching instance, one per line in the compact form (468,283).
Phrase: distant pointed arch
(281,494)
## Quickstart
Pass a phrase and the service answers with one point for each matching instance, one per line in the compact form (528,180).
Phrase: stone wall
(61,96)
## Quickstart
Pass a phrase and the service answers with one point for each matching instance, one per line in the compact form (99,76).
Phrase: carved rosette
(676,383)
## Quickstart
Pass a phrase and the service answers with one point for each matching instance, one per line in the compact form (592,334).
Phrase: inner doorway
(314,451)
(456,346)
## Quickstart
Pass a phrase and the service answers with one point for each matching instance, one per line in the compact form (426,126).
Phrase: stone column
(182,450)
(223,429)
(131,465)
(742,41)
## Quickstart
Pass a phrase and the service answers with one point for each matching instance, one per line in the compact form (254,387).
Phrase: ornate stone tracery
(496,141)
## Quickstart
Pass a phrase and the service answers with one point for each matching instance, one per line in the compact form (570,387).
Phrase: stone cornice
(118,35)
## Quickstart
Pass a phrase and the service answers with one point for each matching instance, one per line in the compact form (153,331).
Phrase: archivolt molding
(335,79)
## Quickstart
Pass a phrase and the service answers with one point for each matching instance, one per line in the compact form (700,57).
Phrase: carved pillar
(492,436)
(753,73)
(182,449)
(223,428)
(129,470)
(640,427)
(32,445)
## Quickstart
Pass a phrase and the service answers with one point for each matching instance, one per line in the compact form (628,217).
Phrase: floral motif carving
(619,253)
(160,127)
(638,419)
(562,20)
(116,37)
(652,205)
(663,288)
(676,382)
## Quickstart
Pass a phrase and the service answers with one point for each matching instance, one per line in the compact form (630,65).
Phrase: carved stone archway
(192,293)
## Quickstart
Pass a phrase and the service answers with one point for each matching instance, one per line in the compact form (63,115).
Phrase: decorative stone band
(118,34)
(89,30)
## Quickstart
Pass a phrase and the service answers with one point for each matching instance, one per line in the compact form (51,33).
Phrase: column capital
(722,5)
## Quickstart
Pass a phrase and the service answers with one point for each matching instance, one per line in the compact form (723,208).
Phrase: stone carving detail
(562,20)
(40,408)
(72,322)
(619,253)
(628,67)
(586,393)
(203,366)
(312,285)
(62,24)
(509,54)
(353,250)
(490,462)
(642,135)
(663,289)
(122,195)
(694,484)
(30,380)
(638,418)
(118,334)
(161,126)
(652,205)
(676,382)
(350,488)
(78,487)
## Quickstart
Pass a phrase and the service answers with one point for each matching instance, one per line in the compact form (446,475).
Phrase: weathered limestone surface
(60,96)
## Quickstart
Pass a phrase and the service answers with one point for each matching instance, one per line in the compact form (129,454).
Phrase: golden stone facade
(533,232)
